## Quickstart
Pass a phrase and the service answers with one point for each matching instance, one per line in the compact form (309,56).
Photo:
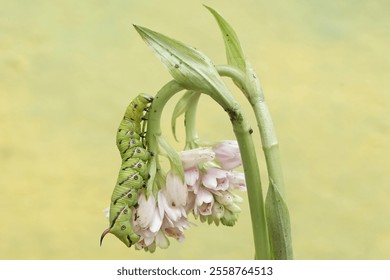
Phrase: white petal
(191,176)
(209,180)
(145,211)
(156,222)
(176,190)
(204,196)
(165,206)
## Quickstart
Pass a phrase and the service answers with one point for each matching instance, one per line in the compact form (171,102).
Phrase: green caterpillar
(133,173)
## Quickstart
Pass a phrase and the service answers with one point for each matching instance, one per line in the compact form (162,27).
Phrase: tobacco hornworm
(133,173)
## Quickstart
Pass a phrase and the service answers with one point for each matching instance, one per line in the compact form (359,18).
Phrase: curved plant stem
(154,129)
(278,219)
(190,123)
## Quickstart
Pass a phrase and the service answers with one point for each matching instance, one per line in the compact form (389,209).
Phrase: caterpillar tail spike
(128,237)
(103,235)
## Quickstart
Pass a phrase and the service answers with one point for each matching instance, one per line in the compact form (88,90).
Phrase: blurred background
(68,69)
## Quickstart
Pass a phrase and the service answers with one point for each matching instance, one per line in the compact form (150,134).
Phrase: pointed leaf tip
(187,65)
(278,221)
(234,53)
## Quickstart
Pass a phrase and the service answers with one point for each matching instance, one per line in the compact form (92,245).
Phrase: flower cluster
(206,192)
(209,184)
(154,220)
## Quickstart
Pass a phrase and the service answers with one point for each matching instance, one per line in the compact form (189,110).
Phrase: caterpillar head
(146,97)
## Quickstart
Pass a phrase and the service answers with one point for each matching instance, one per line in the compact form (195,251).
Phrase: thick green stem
(278,219)
(243,132)
(154,129)
(253,181)
(270,144)
(269,141)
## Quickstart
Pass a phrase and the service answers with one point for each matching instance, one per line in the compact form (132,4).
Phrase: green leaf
(181,107)
(236,57)
(278,221)
(188,66)
(234,53)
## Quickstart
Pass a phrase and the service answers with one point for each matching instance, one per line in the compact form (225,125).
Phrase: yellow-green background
(69,68)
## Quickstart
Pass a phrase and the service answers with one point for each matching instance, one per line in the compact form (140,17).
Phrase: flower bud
(229,218)
(191,158)
(228,154)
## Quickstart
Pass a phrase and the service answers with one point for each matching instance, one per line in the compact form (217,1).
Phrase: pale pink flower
(151,239)
(153,221)
(205,192)
(191,158)
(203,202)
(176,229)
(215,179)
(228,154)
(147,223)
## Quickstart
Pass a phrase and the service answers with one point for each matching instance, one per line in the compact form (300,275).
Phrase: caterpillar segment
(125,135)
(136,152)
(123,146)
(136,164)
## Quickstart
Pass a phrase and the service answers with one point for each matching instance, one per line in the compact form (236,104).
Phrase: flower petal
(191,176)
(191,158)
(145,211)
(176,190)
(213,177)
